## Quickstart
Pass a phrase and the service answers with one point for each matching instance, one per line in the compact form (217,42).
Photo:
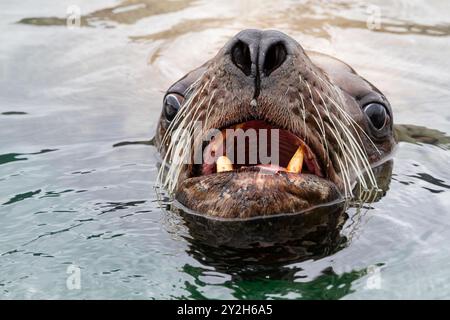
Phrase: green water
(69,198)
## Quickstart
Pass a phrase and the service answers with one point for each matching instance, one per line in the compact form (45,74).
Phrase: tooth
(296,163)
(223,164)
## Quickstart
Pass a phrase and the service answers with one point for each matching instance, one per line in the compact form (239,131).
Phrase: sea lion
(325,128)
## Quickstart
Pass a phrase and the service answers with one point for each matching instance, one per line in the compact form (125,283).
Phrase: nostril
(275,56)
(240,55)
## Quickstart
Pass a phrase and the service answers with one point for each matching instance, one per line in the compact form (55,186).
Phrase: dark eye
(172,105)
(377,115)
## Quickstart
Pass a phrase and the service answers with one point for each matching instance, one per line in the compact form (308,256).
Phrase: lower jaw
(255,192)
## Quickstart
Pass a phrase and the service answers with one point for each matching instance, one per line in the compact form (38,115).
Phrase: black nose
(258,53)
(274,57)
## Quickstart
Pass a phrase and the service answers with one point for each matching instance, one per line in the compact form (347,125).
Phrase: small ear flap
(184,83)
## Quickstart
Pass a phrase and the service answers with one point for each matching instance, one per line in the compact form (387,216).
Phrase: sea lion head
(265,128)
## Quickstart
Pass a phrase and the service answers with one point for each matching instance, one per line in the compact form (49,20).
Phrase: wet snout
(258,54)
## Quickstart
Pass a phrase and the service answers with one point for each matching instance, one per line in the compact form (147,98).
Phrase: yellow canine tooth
(223,164)
(296,163)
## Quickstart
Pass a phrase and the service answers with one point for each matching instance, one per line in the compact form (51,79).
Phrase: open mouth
(258,146)
(256,169)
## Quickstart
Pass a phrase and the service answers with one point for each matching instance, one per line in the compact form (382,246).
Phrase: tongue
(270,168)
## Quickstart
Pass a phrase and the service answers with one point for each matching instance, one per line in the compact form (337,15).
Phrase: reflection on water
(13,113)
(183,28)
(280,283)
(127,12)
(77,166)
(309,17)
(419,134)
(9,157)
